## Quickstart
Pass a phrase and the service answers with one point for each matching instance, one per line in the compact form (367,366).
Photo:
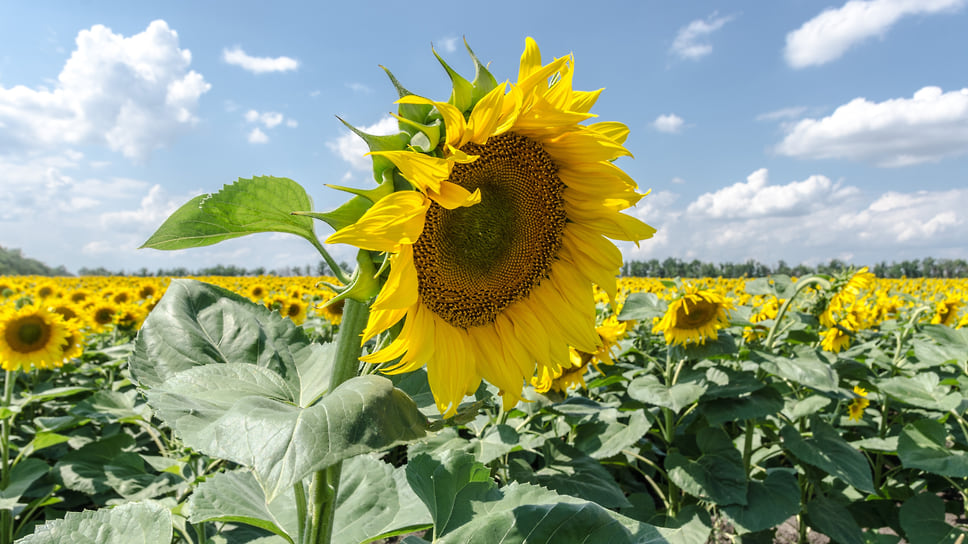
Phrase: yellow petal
(422,170)
(394,220)
(530,59)
(615,131)
(485,117)
(400,289)
(453,196)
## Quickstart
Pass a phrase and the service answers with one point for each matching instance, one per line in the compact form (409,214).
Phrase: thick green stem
(6,515)
(346,365)
(748,446)
(801,285)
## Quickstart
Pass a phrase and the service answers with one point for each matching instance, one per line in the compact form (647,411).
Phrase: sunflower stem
(333,265)
(6,515)
(801,285)
(325,484)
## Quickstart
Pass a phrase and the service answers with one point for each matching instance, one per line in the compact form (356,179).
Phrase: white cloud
(131,94)
(269,120)
(808,221)
(829,35)
(359,88)
(783,113)
(448,45)
(690,42)
(256,136)
(756,198)
(928,127)
(670,123)
(352,148)
(258,65)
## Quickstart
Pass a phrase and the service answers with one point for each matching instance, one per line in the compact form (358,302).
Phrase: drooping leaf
(641,306)
(237,497)
(650,390)
(376,501)
(923,520)
(834,520)
(247,206)
(806,369)
(758,404)
(922,446)
(145,522)
(22,475)
(716,475)
(602,440)
(768,503)
(923,390)
(829,452)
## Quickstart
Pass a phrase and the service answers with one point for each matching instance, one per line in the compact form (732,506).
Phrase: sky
(798,130)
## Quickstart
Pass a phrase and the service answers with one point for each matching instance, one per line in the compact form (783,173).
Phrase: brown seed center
(474,262)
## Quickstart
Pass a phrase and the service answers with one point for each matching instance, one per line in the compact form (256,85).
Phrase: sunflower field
(482,376)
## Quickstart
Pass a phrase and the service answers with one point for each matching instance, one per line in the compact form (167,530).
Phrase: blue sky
(795,130)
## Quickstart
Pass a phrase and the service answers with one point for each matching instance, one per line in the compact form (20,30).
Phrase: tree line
(672,267)
(14,263)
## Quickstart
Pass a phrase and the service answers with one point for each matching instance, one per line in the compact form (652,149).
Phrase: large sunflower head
(694,317)
(497,230)
(32,336)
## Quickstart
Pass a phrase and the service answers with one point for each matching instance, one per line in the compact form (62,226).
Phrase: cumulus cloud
(269,120)
(809,221)
(448,45)
(829,35)
(691,41)
(927,127)
(258,65)
(256,136)
(670,123)
(756,198)
(352,149)
(133,94)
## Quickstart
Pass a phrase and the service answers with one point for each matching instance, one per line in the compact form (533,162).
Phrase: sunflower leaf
(227,376)
(248,206)
(145,522)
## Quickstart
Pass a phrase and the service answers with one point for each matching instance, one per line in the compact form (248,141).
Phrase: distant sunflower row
(47,321)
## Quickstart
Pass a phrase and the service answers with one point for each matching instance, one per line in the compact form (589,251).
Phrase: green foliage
(13,263)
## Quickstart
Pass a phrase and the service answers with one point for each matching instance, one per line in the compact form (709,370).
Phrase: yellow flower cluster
(46,321)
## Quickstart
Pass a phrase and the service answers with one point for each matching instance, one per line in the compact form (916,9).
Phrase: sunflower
(836,339)
(610,332)
(694,317)
(32,337)
(946,312)
(493,256)
(856,407)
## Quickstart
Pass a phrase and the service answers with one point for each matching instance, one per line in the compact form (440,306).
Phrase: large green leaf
(236,381)
(641,306)
(197,324)
(768,503)
(22,475)
(756,405)
(650,390)
(237,497)
(945,344)
(375,501)
(468,508)
(132,523)
(806,369)
(248,206)
(716,475)
(570,472)
(834,520)
(921,445)
(603,439)
(239,412)
(923,520)
(923,390)
(106,464)
(829,452)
